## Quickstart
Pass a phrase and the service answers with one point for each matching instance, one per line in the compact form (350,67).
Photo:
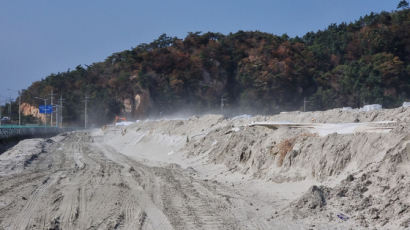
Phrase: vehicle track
(79,183)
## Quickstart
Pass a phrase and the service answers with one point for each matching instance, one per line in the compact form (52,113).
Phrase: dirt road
(74,182)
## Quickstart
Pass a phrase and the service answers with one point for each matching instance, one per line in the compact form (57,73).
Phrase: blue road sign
(47,109)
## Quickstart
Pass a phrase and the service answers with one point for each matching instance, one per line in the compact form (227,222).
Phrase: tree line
(347,64)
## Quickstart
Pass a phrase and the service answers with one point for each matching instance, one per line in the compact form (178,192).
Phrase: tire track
(78,184)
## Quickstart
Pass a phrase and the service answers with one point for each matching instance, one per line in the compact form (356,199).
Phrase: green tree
(403,4)
(343,65)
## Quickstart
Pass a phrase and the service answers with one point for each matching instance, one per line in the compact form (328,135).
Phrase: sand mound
(357,176)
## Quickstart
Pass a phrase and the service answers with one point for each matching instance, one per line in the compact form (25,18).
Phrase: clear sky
(40,37)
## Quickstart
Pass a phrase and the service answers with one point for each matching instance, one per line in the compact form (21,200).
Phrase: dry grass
(284,147)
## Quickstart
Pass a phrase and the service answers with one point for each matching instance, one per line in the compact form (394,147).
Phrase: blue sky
(41,37)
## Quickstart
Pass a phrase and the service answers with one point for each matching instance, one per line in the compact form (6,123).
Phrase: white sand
(209,172)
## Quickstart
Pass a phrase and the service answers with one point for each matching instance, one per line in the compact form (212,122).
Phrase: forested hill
(367,61)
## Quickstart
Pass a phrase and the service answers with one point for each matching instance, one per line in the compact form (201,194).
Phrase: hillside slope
(367,61)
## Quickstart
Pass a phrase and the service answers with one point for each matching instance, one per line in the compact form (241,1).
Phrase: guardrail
(12,131)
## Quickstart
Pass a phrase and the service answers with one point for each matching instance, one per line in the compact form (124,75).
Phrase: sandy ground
(318,170)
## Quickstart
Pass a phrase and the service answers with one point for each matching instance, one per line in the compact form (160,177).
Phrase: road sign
(47,109)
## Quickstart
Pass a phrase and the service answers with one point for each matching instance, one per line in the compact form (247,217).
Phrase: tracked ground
(74,182)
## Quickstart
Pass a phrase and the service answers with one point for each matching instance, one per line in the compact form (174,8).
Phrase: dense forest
(364,62)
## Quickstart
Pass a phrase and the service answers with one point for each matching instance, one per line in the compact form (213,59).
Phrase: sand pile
(292,154)
(16,159)
(374,195)
(356,177)
(314,170)
(340,115)
(336,169)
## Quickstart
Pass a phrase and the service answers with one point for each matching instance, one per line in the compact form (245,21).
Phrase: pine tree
(403,4)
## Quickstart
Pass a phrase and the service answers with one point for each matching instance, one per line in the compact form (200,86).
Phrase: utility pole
(45,105)
(61,112)
(19,108)
(0,113)
(45,115)
(85,111)
(222,103)
(304,104)
(10,100)
(56,115)
(52,97)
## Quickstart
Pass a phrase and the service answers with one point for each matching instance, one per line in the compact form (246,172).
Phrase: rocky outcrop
(127,104)
(27,110)
(142,104)
(138,106)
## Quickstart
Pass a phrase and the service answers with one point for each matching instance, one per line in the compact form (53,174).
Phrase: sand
(336,169)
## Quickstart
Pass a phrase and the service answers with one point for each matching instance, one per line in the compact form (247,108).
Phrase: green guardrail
(25,126)
(8,131)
